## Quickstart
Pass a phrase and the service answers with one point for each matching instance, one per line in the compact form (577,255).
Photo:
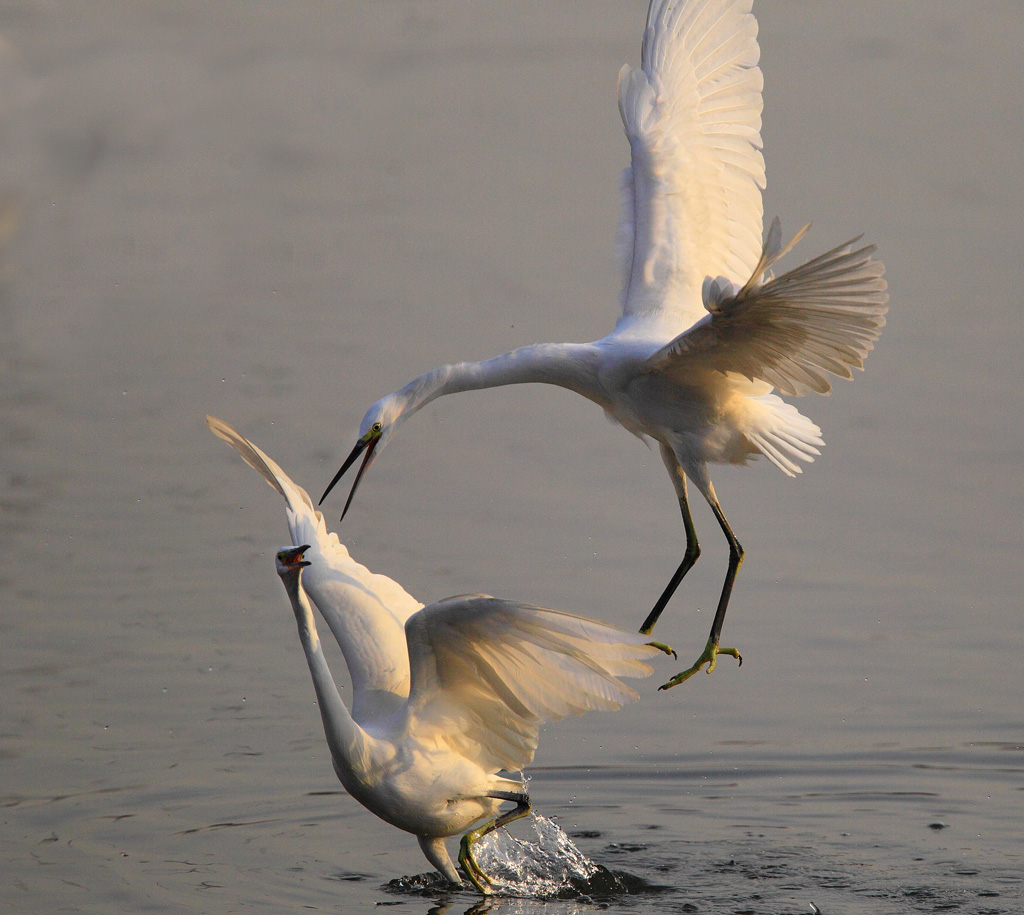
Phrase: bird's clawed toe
(473,870)
(710,657)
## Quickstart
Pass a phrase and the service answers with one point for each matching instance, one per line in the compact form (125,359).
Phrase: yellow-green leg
(473,870)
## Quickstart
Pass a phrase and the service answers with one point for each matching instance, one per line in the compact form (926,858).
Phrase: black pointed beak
(349,461)
(363,444)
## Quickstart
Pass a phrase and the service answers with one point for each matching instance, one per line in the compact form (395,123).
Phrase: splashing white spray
(542,868)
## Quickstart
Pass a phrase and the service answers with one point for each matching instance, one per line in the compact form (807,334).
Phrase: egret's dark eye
(376,427)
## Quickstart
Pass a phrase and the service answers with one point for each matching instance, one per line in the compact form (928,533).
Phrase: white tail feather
(782,433)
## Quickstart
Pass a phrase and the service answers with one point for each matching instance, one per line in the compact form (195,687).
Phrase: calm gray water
(277,213)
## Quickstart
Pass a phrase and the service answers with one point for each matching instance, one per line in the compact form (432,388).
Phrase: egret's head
(290,561)
(376,428)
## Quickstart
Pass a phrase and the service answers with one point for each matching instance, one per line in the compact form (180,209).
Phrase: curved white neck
(348,742)
(567,365)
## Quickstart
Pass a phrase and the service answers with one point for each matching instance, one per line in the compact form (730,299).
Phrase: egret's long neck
(348,742)
(568,365)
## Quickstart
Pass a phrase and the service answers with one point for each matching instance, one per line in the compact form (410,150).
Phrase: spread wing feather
(487,673)
(793,330)
(692,194)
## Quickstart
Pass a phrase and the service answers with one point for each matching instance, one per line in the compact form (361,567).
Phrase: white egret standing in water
(470,681)
(706,331)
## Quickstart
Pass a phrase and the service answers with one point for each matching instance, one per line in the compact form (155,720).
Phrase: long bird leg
(692,546)
(473,870)
(711,651)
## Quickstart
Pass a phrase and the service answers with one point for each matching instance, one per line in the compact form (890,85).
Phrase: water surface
(278,214)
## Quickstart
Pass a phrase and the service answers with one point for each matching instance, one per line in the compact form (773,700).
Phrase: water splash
(551,866)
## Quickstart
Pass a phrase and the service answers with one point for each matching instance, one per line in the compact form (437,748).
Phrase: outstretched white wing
(487,673)
(792,331)
(366,612)
(692,194)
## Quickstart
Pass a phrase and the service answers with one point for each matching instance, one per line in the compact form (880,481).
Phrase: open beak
(367,444)
(294,557)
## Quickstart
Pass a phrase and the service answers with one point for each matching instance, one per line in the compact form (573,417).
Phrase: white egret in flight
(458,695)
(707,330)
